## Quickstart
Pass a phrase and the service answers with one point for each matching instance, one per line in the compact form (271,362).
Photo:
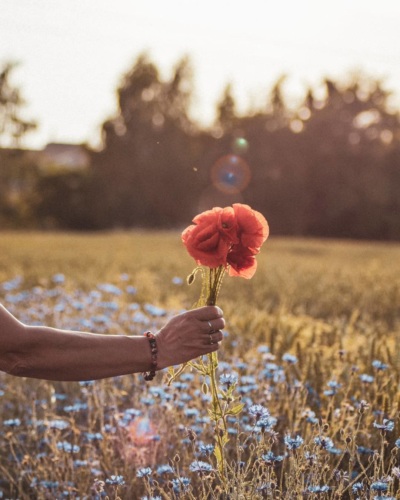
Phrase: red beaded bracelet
(153,347)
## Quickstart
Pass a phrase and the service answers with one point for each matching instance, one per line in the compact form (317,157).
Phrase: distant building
(65,156)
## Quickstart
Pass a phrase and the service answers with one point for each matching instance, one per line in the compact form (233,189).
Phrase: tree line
(328,167)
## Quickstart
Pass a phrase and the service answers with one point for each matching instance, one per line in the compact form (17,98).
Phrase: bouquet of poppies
(223,240)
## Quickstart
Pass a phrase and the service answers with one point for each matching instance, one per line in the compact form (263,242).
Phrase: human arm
(55,354)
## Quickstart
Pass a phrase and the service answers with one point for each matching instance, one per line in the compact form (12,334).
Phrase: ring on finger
(211,339)
(211,327)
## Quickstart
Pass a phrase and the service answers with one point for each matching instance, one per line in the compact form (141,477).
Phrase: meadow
(311,349)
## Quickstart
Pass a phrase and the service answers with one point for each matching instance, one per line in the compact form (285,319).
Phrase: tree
(144,171)
(12,124)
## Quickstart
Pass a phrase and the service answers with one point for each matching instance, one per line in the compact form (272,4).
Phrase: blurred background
(130,114)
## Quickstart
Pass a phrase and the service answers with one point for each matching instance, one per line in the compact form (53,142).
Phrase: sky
(73,53)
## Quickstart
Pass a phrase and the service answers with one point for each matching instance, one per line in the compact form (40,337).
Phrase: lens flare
(230,174)
(240,145)
(141,431)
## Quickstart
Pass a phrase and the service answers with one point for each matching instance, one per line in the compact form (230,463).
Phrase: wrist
(149,375)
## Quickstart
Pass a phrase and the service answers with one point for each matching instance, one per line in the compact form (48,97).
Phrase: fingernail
(219,311)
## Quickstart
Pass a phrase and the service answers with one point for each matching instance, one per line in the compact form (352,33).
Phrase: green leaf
(235,410)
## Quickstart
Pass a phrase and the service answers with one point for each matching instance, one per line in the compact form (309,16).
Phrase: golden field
(333,305)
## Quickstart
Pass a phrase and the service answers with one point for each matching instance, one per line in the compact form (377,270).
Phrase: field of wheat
(311,351)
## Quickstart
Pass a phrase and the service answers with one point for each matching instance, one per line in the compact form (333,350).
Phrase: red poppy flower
(242,262)
(203,240)
(252,227)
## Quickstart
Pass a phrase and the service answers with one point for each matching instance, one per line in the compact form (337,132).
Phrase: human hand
(190,335)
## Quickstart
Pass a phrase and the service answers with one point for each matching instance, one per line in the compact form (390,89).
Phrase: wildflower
(397,443)
(366,379)
(143,472)
(379,365)
(165,469)
(151,498)
(293,443)
(386,426)
(58,279)
(228,379)
(12,422)
(180,484)
(270,458)
(80,463)
(289,358)
(396,472)
(379,486)
(206,449)
(199,466)
(310,416)
(93,436)
(362,450)
(154,310)
(265,424)
(258,411)
(357,487)
(177,281)
(68,447)
(323,442)
(109,288)
(318,489)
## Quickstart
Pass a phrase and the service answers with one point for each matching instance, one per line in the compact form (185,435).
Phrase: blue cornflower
(206,449)
(154,310)
(181,484)
(367,379)
(293,443)
(68,447)
(357,487)
(383,497)
(12,422)
(93,436)
(58,279)
(387,425)
(270,458)
(109,288)
(379,486)
(177,281)
(379,365)
(289,358)
(151,498)
(191,412)
(318,489)
(362,450)
(80,463)
(324,442)
(228,379)
(165,469)
(143,472)
(310,416)
(397,443)
(334,387)
(258,411)
(199,466)
(265,424)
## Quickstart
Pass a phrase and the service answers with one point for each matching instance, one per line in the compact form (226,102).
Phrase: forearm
(54,354)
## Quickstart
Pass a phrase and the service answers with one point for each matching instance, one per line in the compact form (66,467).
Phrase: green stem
(215,280)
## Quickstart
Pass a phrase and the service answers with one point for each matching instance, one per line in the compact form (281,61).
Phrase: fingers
(214,325)
(206,313)
(214,338)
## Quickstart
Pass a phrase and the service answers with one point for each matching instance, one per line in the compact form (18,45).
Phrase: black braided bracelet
(153,347)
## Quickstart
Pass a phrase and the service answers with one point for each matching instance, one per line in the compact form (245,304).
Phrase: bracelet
(154,351)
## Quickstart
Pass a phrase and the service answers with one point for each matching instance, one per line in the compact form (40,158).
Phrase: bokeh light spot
(240,145)
(230,174)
